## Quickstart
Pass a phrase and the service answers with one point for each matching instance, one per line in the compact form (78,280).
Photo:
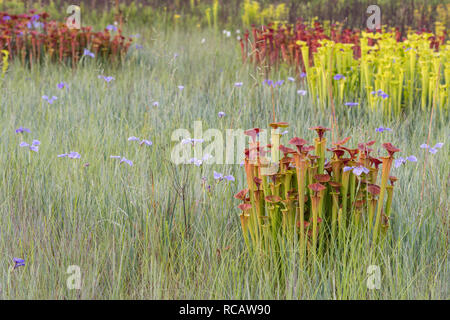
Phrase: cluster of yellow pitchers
(392,76)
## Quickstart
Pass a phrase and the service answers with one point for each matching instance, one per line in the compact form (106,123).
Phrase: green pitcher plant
(391,76)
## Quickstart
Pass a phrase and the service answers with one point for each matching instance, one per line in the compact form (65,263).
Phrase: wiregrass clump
(299,195)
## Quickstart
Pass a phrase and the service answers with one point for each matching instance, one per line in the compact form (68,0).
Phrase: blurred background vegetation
(416,14)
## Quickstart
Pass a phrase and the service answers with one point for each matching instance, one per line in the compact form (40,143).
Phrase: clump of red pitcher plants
(296,192)
(31,38)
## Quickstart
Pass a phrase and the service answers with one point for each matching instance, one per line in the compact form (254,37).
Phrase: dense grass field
(152,230)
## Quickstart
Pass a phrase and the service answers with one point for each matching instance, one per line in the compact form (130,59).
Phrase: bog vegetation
(355,173)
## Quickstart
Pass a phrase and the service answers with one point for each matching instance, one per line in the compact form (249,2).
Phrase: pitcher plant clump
(394,74)
(300,194)
(33,39)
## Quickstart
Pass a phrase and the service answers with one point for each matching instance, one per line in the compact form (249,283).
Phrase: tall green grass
(151,231)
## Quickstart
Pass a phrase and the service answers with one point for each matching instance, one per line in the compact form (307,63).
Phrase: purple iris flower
(351,104)
(432,150)
(71,155)
(6,18)
(49,100)
(22,130)
(107,79)
(146,142)
(139,46)
(219,176)
(35,25)
(123,160)
(360,169)
(18,262)
(238,84)
(111,27)
(196,162)
(191,141)
(382,129)
(272,83)
(33,147)
(156,103)
(142,142)
(181,88)
(74,155)
(206,157)
(301,92)
(357,170)
(291,79)
(229,178)
(398,162)
(338,76)
(221,114)
(62,85)
(199,162)
(302,75)
(86,52)
(129,162)
(380,93)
